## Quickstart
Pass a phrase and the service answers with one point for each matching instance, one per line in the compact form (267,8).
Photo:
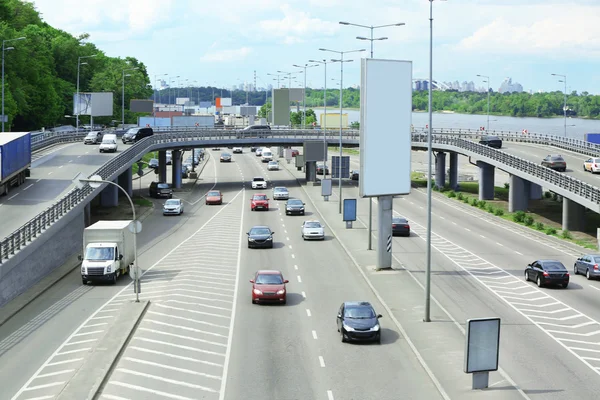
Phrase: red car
(268,286)
(259,201)
(214,197)
(295,153)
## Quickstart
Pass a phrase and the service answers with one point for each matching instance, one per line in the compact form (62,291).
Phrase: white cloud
(297,24)
(227,55)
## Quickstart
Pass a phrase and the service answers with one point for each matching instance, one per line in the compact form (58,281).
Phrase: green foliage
(466,199)
(528,220)
(550,231)
(355,125)
(264,111)
(547,194)
(460,196)
(519,216)
(451,194)
(554,196)
(490,208)
(499,212)
(474,202)
(566,234)
(539,226)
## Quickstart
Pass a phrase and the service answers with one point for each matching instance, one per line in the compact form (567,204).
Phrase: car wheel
(253,302)
(539,281)
(271,246)
(284,302)
(114,279)
(566,285)
(587,274)
(83,281)
(526,276)
(575,272)
(342,338)
(378,340)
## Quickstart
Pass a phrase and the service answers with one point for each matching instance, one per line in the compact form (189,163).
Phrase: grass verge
(138,201)
(145,158)
(336,150)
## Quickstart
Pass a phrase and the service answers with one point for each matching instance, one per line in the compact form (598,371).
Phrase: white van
(109,143)
(266,155)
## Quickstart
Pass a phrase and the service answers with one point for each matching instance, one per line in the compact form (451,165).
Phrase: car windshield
(280,190)
(109,141)
(399,221)
(260,231)
(553,266)
(172,202)
(213,194)
(163,186)
(258,179)
(224,154)
(100,253)
(312,225)
(131,131)
(557,158)
(272,162)
(153,161)
(359,312)
(492,138)
(295,202)
(269,279)
(92,134)
(259,197)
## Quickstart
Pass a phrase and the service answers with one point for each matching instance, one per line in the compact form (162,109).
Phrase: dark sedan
(260,236)
(321,167)
(225,157)
(547,272)
(153,163)
(588,265)
(400,227)
(492,141)
(357,321)
(354,174)
(555,162)
(294,206)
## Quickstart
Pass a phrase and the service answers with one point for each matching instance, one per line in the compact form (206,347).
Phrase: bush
(566,234)
(474,202)
(539,226)
(482,204)
(547,195)
(460,196)
(506,186)
(550,231)
(490,208)
(528,220)
(466,199)
(554,196)
(451,194)
(519,216)
(499,212)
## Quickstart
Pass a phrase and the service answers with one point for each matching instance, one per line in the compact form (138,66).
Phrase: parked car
(237,150)
(358,321)
(280,193)
(547,272)
(321,167)
(268,286)
(313,230)
(225,157)
(273,166)
(294,206)
(555,162)
(160,189)
(260,236)
(173,207)
(400,227)
(592,165)
(134,134)
(94,137)
(588,265)
(492,141)
(214,197)
(354,174)
(258,182)
(153,163)
(259,201)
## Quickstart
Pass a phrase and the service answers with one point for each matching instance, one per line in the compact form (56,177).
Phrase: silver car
(313,230)
(280,193)
(588,265)
(93,137)
(173,207)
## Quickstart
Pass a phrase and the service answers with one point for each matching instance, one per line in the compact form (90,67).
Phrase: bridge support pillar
(176,168)
(535,191)
(453,178)
(440,169)
(573,215)
(486,180)
(87,214)
(310,171)
(518,194)
(109,196)
(384,236)
(126,182)
(162,165)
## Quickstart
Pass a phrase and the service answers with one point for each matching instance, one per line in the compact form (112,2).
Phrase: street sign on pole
(4,118)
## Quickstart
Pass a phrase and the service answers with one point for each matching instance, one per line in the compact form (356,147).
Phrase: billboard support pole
(384,237)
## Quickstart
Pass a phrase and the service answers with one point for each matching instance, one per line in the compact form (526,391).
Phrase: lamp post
(487,80)
(276,75)
(95,181)
(4,48)
(305,66)
(78,110)
(371,27)
(324,127)
(564,80)
(158,90)
(341,61)
(123,94)
(289,74)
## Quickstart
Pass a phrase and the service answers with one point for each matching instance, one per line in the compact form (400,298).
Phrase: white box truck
(107,251)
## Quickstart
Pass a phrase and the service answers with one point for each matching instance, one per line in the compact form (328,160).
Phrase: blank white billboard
(226,101)
(99,104)
(385,149)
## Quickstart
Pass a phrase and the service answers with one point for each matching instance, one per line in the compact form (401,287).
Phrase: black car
(260,236)
(160,189)
(134,134)
(153,163)
(254,131)
(294,206)
(492,141)
(547,272)
(320,167)
(354,174)
(225,157)
(357,321)
(400,227)
(555,162)
(588,265)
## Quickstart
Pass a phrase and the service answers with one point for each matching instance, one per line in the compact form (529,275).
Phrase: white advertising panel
(482,345)
(385,150)
(102,104)
(225,101)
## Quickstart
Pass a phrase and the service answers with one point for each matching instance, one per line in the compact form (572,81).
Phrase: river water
(551,126)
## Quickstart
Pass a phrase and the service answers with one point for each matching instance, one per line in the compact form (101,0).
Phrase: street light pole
(123,95)
(564,80)
(371,27)
(341,61)
(4,48)
(305,66)
(324,127)
(78,110)
(487,128)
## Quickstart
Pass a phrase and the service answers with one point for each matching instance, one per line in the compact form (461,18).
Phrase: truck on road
(108,251)
(15,159)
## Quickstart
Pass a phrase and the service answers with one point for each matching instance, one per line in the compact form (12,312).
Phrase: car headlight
(301,208)
(289,208)
(83,270)
(282,291)
(375,328)
(108,269)
(269,238)
(348,328)
(250,240)
(256,291)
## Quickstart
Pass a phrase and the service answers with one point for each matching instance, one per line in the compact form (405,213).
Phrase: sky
(223,43)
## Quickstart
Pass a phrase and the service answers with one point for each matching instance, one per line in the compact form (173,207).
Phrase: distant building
(509,87)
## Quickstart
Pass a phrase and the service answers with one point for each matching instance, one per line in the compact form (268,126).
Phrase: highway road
(51,174)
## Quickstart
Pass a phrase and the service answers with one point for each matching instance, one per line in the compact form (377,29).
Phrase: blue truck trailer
(15,159)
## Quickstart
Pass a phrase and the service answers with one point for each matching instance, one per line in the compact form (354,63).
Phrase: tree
(264,111)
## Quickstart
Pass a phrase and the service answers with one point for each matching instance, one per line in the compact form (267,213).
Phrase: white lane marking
(285,231)
(45,386)
(329,395)
(287,238)
(110,397)
(321,361)
(37,180)
(314,333)
(299,279)
(182,370)
(13,196)
(177,357)
(594,287)
(87,152)
(64,371)
(65,362)
(518,253)
(482,236)
(50,173)
(295,267)
(167,380)
(70,161)
(440,217)
(500,244)
(290,246)
(303,295)
(308,312)
(78,156)
(293,256)
(467,229)
(61,166)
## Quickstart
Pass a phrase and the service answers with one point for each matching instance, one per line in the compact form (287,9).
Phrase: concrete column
(126,182)
(573,216)
(109,196)
(310,171)
(384,236)
(453,178)
(162,165)
(176,168)
(535,191)
(87,215)
(486,181)
(440,169)
(518,194)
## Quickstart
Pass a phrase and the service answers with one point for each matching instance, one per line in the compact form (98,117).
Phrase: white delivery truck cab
(107,251)
(266,155)
(109,143)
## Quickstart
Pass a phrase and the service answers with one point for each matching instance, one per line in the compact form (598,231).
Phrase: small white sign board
(482,345)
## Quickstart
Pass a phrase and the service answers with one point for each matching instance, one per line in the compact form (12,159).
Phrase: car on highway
(259,201)
(354,174)
(258,182)
(134,134)
(216,148)
(160,189)
(260,236)
(588,264)
(547,272)
(173,207)
(237,150)
(169,157)
(254,131)
(153,163)
(280,193)
(225,157)
(313,230)
(400,227)
(214,197)
(94,137)
(358,321)
(555,162)
(592,165)
(320,167)
(294,206)
(295,152)
(253,149)
(258,152)
(109,143)
(491,141)
(268,286)
(273,166)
